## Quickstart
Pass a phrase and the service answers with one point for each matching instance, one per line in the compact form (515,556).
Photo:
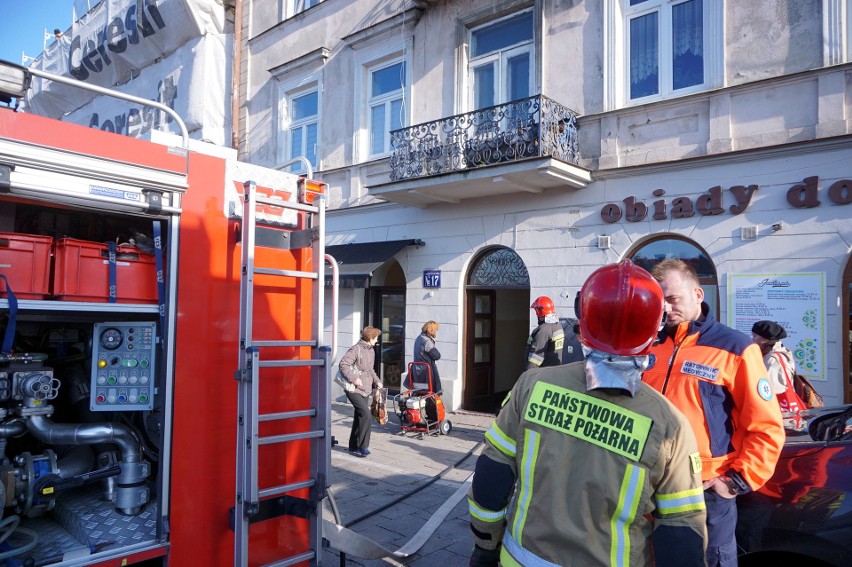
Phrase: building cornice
(737,156)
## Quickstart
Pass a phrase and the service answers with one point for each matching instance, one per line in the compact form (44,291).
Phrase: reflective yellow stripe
(558,339)
(484,514)
(501,441)
(628,503)
(506,559)
(679,502)
(526,475)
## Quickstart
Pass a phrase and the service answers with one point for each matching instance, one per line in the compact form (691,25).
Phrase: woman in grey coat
(357,367)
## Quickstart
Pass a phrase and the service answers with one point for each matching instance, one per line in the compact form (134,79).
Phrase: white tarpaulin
(193,81)
(114,43)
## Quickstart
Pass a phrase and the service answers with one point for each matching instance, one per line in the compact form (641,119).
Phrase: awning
(358,260)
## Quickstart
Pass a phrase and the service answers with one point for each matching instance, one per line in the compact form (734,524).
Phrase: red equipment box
(81,272)
(25,261)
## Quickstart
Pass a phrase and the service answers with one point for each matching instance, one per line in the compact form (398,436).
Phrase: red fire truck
(164,382)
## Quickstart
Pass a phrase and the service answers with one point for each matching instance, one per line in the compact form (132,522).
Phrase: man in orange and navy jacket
(715,375)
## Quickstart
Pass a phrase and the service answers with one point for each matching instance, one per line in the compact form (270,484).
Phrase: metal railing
(526,128)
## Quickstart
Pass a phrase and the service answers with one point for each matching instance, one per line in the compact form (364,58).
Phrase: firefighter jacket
(544,347)
(587,470)
(715,375)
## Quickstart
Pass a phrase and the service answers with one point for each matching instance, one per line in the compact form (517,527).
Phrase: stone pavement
(390,495)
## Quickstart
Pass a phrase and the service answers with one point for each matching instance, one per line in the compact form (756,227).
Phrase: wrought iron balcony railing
(526,128)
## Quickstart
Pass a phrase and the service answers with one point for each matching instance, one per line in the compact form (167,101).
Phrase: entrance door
(495,328)
(481,317)
(389,317)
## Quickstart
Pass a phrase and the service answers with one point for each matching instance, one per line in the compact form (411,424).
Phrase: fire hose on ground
(347,541)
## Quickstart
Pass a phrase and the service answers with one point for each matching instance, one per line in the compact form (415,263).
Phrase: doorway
(496,328)
(388,315)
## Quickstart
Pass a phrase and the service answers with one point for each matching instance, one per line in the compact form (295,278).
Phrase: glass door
(389,317)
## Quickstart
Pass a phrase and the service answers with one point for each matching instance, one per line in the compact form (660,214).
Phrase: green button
(111,379)
(143,398)
(143,363)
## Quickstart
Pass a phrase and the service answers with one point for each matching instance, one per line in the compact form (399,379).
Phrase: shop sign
(801,195)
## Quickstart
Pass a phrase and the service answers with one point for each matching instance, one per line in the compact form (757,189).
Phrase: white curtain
(644,51)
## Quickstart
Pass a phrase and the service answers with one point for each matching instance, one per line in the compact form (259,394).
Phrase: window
(385,104)
(293,7)
(654,251)
(299,129)
(304,116)
(663,48)
(501,61)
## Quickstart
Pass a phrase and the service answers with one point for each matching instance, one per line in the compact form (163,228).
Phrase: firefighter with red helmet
(544,347)
(585,464)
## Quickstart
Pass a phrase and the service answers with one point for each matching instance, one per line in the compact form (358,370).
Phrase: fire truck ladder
(254,504)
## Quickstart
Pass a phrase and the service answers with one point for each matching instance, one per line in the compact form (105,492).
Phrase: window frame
(501,57)
(288,93)
(385,100)
(618,15)
(365,64)
(290,8)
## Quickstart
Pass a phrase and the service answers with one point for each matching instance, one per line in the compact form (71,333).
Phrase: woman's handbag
(807,392)
(341,381)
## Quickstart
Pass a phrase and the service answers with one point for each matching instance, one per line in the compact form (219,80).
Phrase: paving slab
(391,494)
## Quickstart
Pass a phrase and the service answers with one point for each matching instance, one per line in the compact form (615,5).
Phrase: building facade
(480,154)
(168,51)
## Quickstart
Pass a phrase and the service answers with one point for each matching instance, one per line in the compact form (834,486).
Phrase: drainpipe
(236,70)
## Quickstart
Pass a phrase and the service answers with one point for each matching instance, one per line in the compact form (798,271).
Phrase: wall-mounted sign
(803,195)
(431,278)
(794,301)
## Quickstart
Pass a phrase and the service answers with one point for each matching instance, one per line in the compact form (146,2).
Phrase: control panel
(123,366)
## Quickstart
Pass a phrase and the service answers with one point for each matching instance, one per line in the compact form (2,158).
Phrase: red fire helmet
(543,306)
(620,310)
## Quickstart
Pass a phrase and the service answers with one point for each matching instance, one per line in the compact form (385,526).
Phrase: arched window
(662,248)
(501,267)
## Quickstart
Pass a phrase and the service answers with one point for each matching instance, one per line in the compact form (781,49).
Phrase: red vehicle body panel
(205,402)
(203,446)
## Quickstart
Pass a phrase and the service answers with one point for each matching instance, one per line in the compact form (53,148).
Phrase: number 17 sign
(431,278)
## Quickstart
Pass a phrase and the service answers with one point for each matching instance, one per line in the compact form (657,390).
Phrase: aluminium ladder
(253,503)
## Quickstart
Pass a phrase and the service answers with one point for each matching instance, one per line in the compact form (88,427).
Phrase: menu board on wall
(794,301)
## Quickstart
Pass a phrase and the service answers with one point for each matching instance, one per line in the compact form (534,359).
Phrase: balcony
(495,150)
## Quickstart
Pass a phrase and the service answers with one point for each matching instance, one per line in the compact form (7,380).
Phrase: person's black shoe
(364,452)
(357,453)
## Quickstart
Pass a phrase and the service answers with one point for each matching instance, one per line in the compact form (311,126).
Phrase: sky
(22,25)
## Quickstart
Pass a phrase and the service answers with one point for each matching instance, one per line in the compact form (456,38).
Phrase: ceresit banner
(112,43)
(181,81)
